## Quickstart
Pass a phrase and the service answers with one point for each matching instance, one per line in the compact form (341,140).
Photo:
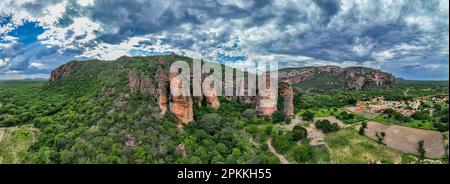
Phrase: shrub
(299,133)
(361,130)
(288,120)
(308,116)
(210,122)
(249,113)
(278,117)
(303,153)
(282,143)
(326,126)
(421,149)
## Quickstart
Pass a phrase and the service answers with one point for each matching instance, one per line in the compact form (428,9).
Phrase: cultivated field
(347,147)
(406,139)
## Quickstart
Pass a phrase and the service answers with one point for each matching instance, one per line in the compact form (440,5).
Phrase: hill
(326,78)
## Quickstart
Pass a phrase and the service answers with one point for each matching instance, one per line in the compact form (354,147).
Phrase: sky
(409,38)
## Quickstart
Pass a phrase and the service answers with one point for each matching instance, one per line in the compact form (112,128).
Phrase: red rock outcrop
(138,82)
(62,72)
(287,93)
(162,90)
(211,95)
(266,104)
(181,106)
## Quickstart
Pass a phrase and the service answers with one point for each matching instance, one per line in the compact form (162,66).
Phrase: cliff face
(287,93)
(162,91)
(140,83)
(350,78)
(266,104)
(158,86)
(211,98)
(62,72)
(181,106)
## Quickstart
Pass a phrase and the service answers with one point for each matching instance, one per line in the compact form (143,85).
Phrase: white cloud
(37,65)
(3,63)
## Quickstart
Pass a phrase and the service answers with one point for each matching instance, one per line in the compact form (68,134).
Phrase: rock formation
(287,93)
(211,95)
(353,77)
(266,104)
(162,90)
(62,72)
(181,106)
(138,82)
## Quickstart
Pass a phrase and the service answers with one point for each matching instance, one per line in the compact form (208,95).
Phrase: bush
(421,149)
(278,116)
(288,120)
(282,143)
(299,133)
(364,124)
(210,122)
(249,113)
(303,153)
(326,126)
(361,130)
(308,116)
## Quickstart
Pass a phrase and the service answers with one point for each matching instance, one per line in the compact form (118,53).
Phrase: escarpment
(151,77)
(287,93)
(336,77)
(62,72)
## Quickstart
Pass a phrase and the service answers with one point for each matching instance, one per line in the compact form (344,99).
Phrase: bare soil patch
(406,139)
(316,136)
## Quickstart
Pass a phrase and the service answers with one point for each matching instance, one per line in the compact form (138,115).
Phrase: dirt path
(406,139)
(295,121)
(2,133)
(282,159)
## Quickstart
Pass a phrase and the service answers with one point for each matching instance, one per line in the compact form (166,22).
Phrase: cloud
(390,35)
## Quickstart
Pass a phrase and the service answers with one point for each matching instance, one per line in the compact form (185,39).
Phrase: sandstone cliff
(333,76)
(287,93)
(62,72)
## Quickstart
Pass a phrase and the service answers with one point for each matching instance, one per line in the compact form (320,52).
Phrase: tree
(380,136)
(278,116)
(303,153)
(299,133)
(364,124)
(249,113)
(421,149)
(361,130)
(308,116)
(288,120)
(282,143)
(326,126)
(210,122)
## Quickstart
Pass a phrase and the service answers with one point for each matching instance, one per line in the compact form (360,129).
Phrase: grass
(347,146)
(322,112)
(15,143)
(426,125)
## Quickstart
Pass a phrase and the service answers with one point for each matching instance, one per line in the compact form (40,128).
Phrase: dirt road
(282,159)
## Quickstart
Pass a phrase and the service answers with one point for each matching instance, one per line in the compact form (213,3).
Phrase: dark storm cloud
(385,34)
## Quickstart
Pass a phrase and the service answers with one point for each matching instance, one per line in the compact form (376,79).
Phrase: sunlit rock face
(162,90)
(62,72)
(182,105)
(287,93)
(267,101)
(350,78)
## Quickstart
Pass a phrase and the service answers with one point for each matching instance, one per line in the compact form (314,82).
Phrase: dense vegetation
(91,117)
